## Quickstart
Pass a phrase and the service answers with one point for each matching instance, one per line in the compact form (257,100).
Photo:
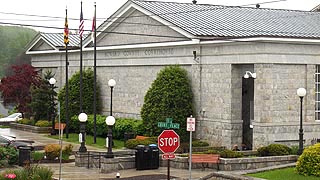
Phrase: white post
(190,156)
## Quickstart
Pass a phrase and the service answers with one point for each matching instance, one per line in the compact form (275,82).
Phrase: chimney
(194,1)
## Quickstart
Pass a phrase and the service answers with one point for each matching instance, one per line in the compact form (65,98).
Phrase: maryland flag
(66,31)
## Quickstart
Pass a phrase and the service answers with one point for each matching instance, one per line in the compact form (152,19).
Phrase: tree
(42,98)
(13,42)
(170,96)
(74,91)
(16,88)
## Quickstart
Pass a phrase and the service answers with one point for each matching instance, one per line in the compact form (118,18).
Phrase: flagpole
(81,31)
(95,75)
(67,83)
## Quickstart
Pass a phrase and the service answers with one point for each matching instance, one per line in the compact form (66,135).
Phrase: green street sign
(168,124)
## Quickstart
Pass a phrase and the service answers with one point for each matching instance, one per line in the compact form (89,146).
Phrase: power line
(195,27)
(216,7)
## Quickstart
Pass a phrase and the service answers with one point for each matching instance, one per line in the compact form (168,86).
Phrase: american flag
(66,31)
(81,26)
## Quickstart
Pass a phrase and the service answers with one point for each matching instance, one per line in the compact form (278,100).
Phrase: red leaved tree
(16,87)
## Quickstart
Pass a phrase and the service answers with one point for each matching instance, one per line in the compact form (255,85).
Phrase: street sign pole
(190,156)
(168,170)
(191,122)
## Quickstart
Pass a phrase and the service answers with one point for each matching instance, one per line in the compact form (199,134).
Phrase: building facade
(217,45)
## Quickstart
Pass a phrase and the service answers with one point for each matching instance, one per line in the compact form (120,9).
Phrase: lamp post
(301,92)
(111,84)
(52,81)
(110,120)
(83,119)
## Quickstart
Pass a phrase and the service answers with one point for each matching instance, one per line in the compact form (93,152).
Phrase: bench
(206,160)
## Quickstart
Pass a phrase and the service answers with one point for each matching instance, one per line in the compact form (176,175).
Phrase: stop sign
(168,141)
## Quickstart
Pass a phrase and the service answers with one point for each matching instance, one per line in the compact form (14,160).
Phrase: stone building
(277,49)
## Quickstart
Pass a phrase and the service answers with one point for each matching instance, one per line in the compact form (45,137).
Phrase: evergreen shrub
(308,163)
(227,153)
(43,123)
(170,96)
(274,150)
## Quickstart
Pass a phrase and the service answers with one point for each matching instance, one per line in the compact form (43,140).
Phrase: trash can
(154,156)
(139,157)
(24,155)
(147,157)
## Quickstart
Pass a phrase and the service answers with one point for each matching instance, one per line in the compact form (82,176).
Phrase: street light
(83,119)
(301,92)
(110,120)
(111,84)
(52,81)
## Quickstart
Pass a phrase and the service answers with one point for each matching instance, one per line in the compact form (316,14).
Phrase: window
(317,95)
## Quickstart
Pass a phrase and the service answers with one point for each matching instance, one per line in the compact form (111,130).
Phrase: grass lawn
(101,142)
(281,174)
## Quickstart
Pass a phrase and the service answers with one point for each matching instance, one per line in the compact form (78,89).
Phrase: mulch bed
(53,161)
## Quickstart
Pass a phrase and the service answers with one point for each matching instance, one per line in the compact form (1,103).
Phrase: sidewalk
(70,172)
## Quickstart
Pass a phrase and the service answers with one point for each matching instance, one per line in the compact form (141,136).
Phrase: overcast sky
(19,11)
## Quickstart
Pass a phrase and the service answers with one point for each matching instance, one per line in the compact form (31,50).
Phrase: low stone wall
(232,164)
(29,128)
(106,165)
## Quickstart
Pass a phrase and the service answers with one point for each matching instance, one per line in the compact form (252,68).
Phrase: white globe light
(83,117)
(52,81)
(301,92)
(111,82)
(110,120)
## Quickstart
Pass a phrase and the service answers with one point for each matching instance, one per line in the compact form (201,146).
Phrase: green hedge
(121,126)
(274,150)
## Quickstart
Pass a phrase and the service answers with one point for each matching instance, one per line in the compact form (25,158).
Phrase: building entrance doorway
(247,111)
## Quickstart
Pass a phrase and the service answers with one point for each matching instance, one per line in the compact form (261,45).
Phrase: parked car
(12,118)
(16,143)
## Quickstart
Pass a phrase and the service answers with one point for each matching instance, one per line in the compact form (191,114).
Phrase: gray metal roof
(56,39)
(233,21)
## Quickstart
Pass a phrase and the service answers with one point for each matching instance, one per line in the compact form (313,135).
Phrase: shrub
(230,154)
(294,150)
(26,121)
(52,151)
(37,156)
(43,123)
(121,126)
(133,143)
(198,143)
(67,150)
(29,173)
(170,96)
(8,156)
(125,125)
(308,162)
(274,150)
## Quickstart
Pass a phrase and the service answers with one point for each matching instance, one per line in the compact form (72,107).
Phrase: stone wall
(277,106)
